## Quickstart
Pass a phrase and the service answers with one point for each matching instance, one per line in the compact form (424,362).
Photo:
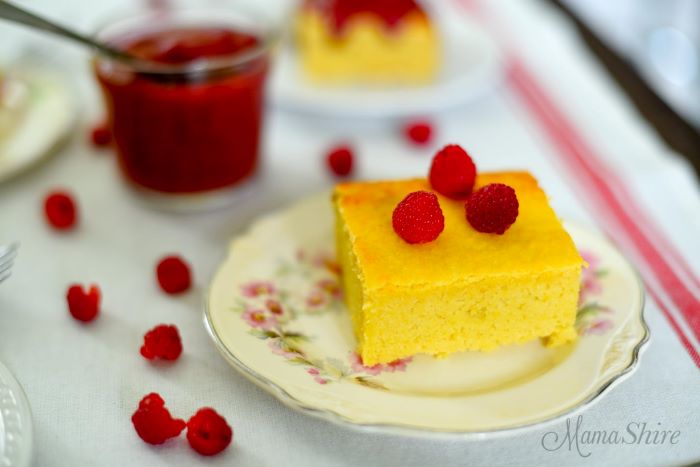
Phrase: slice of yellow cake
(464,291)
(366,41)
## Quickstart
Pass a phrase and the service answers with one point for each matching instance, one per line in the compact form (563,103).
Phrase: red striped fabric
(614,207)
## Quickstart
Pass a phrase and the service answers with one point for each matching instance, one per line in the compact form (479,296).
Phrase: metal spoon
(16,14)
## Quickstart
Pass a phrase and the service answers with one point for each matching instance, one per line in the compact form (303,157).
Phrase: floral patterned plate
(275,312)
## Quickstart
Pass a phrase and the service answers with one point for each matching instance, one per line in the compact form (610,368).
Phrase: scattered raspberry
(60,210)
(418,218)
(208,433)
(153,422)
(492,209)
(101,136)
(81,305)
(173,275)
(419,133)
(162,341)
(453,172)
(340,161)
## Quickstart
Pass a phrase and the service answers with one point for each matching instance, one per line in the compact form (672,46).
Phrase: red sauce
(186,134)
(389,11)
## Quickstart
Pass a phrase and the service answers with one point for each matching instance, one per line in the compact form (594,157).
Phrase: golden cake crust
(535,243)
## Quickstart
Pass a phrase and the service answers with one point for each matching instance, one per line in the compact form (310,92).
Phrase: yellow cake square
(464,291)
(374,45)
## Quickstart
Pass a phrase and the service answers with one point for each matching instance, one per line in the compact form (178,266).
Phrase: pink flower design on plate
(590,282)
(329,263)
(316,298)
(258,288)
(591,258)
(317,375)
(359,367)
(590,285)
(598,328)
(331,287)
(276,348)
(274,307)
(258,319)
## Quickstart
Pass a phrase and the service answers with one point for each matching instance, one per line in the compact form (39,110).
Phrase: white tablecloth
(84,382)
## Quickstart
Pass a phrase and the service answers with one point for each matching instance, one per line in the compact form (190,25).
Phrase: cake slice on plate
(465,290)
(367,42)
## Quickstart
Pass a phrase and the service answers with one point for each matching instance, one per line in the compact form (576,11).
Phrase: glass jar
(186,120)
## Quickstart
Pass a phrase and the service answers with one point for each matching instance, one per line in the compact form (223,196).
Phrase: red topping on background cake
(83,306)
(153,422)
(208,433)
(418,218)
(101,136)
(163,341)
(493,208)
(60,210)
(453,172)
(173,275)
(341,11)
(419,133)
(340,161)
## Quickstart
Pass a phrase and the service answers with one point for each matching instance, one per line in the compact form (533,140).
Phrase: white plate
(48,118)
(288,258)
(471,65)
(15,422)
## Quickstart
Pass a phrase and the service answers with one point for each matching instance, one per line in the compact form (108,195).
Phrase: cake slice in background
(374,42)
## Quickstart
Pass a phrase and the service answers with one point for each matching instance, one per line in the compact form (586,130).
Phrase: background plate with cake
(382,59)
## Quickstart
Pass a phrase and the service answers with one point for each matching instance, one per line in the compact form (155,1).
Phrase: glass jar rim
(269,37)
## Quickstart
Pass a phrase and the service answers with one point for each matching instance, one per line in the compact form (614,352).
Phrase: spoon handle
(16,14)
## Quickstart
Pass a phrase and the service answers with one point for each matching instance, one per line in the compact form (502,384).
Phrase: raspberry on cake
(492,209)
(418,218)
(465,290)
(367,41)
(452,172)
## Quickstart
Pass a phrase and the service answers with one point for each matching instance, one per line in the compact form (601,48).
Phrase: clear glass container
(187,120)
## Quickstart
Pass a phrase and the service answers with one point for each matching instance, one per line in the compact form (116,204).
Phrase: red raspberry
(340,161)
(173,275)
(208,433)
(81,305)
(453,172)
(153,422)
(419,133)
(101,136)
(162,341)
(418,218)
(60,210)
(492,209)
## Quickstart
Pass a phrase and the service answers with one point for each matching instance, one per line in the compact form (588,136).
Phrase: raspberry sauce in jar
(186,120)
